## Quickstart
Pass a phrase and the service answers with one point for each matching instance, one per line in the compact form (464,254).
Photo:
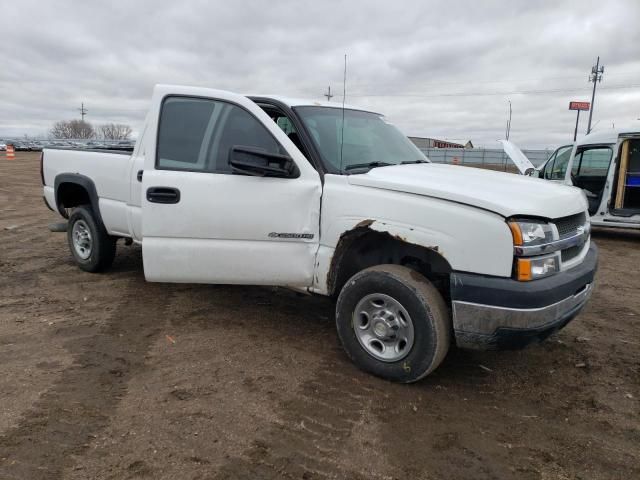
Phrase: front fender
(470,239)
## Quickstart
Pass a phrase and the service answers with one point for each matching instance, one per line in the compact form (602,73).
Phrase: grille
(570,253)
(567,226)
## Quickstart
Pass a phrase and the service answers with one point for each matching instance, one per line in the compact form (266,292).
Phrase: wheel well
(71,195)
(363,248)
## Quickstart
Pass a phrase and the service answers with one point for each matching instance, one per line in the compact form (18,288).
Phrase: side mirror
(245,160)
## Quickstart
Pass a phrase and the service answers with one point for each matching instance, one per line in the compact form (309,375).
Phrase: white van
(606,166)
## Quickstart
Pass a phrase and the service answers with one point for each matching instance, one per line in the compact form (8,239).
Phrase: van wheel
(393,323)
(91,246)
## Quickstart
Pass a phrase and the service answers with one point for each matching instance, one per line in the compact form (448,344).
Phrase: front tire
(92,247)
(393,323)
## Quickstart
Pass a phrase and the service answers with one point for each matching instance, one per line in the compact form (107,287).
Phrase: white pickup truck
(263,190)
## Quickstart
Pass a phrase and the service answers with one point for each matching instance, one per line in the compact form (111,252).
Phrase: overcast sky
(439,69)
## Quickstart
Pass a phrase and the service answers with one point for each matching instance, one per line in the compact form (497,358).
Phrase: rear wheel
(91,246)
(393,323)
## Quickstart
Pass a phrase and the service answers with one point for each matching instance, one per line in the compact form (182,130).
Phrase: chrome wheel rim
(383,327)
(82,241)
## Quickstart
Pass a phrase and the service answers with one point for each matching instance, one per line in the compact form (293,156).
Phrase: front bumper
(500,313)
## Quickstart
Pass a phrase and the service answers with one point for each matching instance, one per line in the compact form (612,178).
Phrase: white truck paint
(326,218)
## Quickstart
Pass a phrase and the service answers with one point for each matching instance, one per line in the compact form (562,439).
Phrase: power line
(508,80)
(479,94)
(328,94)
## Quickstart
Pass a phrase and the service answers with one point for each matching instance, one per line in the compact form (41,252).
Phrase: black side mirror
(246,160)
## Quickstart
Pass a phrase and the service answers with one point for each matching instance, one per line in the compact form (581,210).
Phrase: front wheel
(393,323)
(91,246)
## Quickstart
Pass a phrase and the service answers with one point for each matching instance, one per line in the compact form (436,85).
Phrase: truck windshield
(368,139)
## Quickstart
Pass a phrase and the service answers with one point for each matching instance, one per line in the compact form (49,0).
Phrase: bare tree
(115,131)
(72,129)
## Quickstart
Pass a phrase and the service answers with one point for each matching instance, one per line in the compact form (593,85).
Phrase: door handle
(139,175)
(163,195)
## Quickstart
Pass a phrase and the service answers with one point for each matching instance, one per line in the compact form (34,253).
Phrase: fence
(494,159)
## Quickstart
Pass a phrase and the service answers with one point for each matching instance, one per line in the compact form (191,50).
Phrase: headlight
(528,233)
(530,240)
(533,268)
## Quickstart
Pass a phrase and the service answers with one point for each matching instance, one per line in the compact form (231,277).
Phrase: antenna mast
(344,95)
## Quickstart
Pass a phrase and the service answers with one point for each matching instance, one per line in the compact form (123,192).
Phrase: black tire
(428,313)
(103,246)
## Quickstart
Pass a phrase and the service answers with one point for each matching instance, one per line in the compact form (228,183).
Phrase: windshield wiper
(367,165)
(407,162)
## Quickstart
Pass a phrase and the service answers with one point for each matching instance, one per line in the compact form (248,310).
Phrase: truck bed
(108,170)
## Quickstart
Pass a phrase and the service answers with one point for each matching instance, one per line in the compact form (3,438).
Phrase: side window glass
(549,166)
(198,134)
(595,162)
(285,125)
(560,165)
(184,127)
(575,168)
(239,128)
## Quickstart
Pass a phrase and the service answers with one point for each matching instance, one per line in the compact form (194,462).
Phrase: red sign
(579,105)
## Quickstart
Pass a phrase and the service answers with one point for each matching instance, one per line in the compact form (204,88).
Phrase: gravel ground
(105,376)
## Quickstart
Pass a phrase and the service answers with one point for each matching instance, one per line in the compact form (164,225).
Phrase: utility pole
(595,77)
(328,94)
(83,111)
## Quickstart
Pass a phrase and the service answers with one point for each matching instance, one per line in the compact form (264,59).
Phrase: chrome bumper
(501,313)
(486,319)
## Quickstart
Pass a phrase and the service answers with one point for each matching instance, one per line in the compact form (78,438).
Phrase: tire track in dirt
(69,415)
(314,429)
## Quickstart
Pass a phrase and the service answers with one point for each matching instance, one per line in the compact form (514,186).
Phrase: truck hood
(503,193)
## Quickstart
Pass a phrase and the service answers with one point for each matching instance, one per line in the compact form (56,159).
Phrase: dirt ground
(104,376)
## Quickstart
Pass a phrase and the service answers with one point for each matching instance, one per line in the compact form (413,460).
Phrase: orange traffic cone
(11,152)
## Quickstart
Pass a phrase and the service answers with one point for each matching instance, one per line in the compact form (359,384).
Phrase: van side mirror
(246,160)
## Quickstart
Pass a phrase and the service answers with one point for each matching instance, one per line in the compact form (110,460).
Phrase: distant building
(424,142)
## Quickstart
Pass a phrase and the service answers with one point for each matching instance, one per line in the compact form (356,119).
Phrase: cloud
(443,69)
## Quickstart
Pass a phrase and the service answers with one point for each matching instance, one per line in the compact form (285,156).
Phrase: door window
(563,155)
(546,173)
(593,162)
(198,134)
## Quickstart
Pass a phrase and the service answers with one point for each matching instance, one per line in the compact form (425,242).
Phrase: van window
(592,162)
(563,155)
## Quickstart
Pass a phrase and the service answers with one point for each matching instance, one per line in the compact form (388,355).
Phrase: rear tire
(92,247)
(393,323)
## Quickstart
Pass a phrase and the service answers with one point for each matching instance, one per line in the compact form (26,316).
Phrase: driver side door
(206,221)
